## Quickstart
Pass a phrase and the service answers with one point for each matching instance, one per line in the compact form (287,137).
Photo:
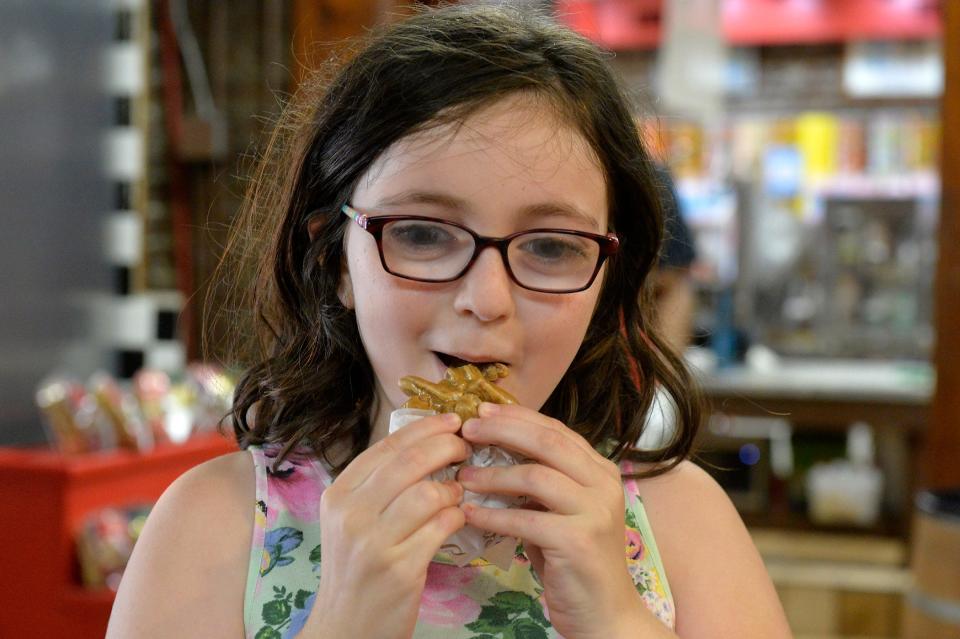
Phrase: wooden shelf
(894,528)
(52,494)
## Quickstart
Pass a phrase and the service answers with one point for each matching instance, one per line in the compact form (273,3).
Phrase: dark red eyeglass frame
(609,245)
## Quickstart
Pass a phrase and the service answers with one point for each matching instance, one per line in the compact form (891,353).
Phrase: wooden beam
(943,439)
(320,27)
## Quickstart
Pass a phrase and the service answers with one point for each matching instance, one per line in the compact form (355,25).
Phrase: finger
(541,528)
(536,417)
(521,412)
(416,506)
(409,466)
(552,489)
(425,542)
(538,440)
(374,457)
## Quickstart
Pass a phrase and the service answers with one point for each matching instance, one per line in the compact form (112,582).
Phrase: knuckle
(412,456)
(431,493)
(366,547)
(456,447)
(609,515)
(449,519)
(387,445)
(549,439)
(330,500)
(536,476)
(398,571)
(612,468)
(528,518)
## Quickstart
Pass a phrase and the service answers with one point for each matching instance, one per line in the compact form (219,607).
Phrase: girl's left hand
(574,536)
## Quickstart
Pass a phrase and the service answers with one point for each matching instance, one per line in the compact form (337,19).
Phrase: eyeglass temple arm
(355,215)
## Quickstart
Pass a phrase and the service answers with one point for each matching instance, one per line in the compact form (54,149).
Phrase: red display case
(45,497)
(637,24)
(772,22)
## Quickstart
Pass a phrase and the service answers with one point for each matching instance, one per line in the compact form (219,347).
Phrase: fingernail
(467,473)
(488,409)
(471,427)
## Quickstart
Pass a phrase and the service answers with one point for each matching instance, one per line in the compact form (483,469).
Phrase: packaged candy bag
(105,541)
(470,542)
(461,391)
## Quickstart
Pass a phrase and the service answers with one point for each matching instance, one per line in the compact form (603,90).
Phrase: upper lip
(475,358)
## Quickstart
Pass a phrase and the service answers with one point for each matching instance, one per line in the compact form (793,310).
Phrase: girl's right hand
(381,523)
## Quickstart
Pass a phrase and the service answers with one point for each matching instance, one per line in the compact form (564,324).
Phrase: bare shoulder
(686,481)
(187,575)
(719,583)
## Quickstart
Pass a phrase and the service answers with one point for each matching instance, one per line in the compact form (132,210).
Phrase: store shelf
(51,494)
(887,527)
(845,586)
(886,383)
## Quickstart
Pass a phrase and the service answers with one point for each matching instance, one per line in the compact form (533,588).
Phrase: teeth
(455,362)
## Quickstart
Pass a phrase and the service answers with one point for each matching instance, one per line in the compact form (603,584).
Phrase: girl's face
(510,167)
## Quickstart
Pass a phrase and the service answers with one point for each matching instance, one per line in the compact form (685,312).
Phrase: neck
(380,418)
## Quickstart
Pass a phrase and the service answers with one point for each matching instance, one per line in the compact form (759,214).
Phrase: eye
(555,247)
(420,234)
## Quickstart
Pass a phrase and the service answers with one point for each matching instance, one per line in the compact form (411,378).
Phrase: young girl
(469,187)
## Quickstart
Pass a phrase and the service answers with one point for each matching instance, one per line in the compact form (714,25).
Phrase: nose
(486,290)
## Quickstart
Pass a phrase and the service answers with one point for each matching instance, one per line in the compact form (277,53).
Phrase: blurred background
(811,278)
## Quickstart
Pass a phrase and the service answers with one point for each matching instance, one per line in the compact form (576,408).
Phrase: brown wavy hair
(307,380)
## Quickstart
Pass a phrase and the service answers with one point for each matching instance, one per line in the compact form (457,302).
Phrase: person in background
(674,303)
(673,287)
(469,187)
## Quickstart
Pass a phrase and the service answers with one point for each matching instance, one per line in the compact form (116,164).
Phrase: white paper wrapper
(470,542)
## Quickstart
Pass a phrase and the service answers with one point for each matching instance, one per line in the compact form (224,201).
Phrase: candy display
(151,409)
(105,541)
(59,401)
(121,412)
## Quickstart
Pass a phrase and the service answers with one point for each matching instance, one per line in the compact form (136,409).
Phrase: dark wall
(54,113)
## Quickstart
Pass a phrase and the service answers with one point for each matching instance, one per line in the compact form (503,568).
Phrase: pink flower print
(444,603)
(296,485)
(635,548)
(520,556)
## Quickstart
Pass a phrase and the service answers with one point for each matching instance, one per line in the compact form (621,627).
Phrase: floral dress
(476,601)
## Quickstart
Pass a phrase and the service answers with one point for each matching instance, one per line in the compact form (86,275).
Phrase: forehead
(510,155)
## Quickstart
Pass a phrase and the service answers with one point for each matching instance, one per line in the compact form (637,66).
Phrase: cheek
(554,338)
(391,318)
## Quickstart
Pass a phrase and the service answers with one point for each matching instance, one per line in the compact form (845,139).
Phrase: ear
(313,227)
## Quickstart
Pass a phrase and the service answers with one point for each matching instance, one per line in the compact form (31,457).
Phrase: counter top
(866,381)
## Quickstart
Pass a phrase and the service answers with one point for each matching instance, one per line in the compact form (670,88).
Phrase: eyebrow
(540,209)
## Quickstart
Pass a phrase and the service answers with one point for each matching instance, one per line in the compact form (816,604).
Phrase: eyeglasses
(425,249)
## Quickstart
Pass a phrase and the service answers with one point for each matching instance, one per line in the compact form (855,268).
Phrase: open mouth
(451,361)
